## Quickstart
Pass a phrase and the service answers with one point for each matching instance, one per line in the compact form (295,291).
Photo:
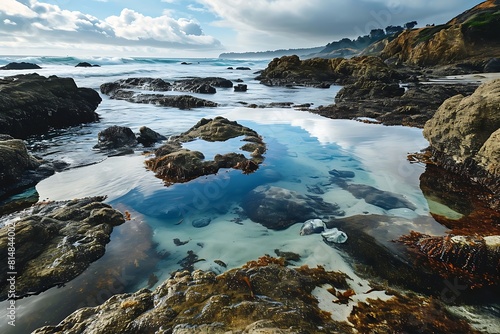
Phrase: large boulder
(291,70)
(464,134)
(116,137)
(15,161)
(54,242)
(32,104)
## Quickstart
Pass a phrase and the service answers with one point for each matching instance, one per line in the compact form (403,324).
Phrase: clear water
(302,148)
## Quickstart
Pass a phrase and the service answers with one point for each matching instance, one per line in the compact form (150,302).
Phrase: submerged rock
(279,208)
(55,242)
(32,104)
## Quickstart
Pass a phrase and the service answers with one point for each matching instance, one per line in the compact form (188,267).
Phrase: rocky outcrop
(175,101)
(290,70)
(467,38)
(19,170)
(86,64)
(464,133)
(263,296)
(55,242)
(175,164)
(278,208)
(202,85)
(153,84)
(148,137)
(32,104)
(390,104)
(20,66)
(115,137)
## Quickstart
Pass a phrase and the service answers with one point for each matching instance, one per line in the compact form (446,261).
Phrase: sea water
(301,149)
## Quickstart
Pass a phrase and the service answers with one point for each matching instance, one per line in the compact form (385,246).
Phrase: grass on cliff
(483,19)
(426,34)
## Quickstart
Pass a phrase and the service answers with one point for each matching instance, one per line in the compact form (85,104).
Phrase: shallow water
(302,149)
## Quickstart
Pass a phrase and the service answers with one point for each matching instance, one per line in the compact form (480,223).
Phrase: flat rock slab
(54,242)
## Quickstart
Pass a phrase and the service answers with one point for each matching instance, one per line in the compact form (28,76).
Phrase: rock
(154,84)
(115,137)
(255,298)
(492,66)
(85,64)
(176,101)
(148,137)
(32,104)
(290,70)
(416,106)
(55,242)
(240,88)
(342,173)
(243,68)
(15,161)
(278,208)
(202,85)
(201,222)
(20,66)
(463,134)
(174,164)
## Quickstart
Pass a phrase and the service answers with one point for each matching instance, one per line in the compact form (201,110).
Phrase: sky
(200,28)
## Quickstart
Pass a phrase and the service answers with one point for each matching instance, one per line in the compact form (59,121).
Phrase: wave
(72,61)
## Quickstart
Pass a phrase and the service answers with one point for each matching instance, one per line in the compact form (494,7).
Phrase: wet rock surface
(291,70)
(175,164)
(279,208)
(32,104)
(463,135)
(55,242)
(389,104)
(262,296)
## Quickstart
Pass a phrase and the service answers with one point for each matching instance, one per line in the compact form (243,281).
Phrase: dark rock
(55,242)
(230,68)
(278,208)
(202,85)
(492,66)
(115,137)
(413,108)
(185,63)
(148,137)
(240,88)
(176,101)
(383,199)
(175,164)
(243,68)
(32,104)
(201,222)
(344,174)
(15,161)
(85,64)
(154,84)
(20,66)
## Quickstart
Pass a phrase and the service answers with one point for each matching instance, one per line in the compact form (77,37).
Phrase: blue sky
(200,28)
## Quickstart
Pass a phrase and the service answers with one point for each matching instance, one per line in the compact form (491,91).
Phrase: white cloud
(7,21)
(289,23)
(48,25)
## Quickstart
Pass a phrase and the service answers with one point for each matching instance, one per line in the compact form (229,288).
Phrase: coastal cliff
(471,37)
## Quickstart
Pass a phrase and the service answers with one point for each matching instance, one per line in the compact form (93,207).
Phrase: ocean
(302,149)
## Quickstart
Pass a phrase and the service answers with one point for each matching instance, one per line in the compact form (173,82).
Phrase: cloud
(294,22)
(45,25)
